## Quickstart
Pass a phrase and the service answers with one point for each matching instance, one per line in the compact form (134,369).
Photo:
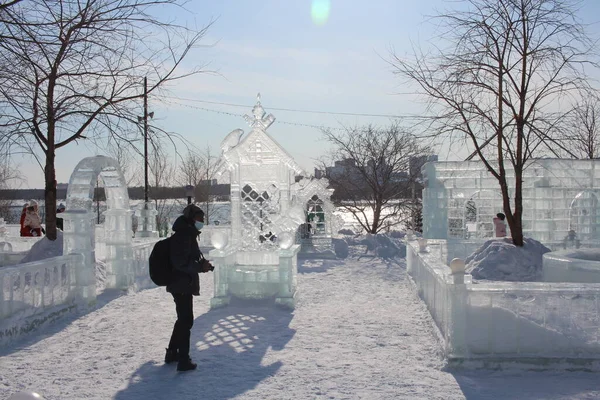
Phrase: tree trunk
(376,216)
(514,218)
(517,233)
(50,195)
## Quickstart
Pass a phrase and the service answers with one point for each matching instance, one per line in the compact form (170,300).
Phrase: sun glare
(320,11)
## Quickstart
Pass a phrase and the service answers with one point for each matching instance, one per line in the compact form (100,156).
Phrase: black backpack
(160,268)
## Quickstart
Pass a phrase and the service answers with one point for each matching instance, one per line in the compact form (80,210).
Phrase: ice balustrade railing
(537,320)
(20,244)
(507,320)
(13,230)
(139,267)
(31,289)
(430,277)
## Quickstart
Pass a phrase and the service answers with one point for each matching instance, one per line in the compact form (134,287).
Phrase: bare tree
(161,173)
(583,127)
(372,179)
(508,65)
(8,176)
(73,69)
(208,174)
(124,157)
(191,169)
(9,3)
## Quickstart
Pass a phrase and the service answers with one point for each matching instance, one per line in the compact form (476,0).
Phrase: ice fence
(535,323)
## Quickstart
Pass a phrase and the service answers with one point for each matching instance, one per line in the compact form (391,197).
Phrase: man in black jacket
(187,261)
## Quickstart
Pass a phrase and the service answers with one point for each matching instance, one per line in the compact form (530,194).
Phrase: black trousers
(180,338)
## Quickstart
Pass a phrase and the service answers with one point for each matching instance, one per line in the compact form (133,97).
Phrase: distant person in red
(32,221)
(500,225)
(24,232)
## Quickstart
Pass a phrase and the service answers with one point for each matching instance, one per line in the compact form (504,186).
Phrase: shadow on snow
(229,345)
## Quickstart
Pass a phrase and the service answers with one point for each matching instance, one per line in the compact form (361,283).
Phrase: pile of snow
(397,234)
(45,248)
(501,260)
(380,245)
(341,248)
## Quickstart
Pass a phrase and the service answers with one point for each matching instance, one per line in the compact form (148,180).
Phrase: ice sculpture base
(286,302)
(255,275)
(218,302)
(317,248)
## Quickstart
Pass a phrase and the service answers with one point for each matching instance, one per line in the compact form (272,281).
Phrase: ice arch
(584,216)
(79,226)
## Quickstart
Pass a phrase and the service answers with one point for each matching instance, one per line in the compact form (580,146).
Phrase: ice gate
(79,227)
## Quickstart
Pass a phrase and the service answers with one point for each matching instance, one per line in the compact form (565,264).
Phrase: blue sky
(274,47)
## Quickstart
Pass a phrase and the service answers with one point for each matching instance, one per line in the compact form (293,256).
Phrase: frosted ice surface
(219,239)
(83,181)
(264,215)
(461,198)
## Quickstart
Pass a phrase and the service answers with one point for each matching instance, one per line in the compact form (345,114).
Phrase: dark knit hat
(192,211)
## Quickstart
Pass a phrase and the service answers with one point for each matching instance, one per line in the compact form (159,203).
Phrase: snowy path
(358,332)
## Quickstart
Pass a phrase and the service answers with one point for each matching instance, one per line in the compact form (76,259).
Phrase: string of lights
(351,114)
(319,127)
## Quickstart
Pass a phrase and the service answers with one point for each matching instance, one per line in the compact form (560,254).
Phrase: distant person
(500,225)
(187,261)
(33,222)
(23,231)
(59,221)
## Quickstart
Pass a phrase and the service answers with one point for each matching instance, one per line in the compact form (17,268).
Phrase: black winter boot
(171,356)
(186,365)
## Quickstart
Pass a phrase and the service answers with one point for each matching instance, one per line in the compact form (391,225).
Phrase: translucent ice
(460,200)
(79,219)
(260,259)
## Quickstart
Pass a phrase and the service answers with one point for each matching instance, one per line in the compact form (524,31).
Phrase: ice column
(147,220)
(456,343)
(288,266)
(76,239)
(223,261)
(119,253)
(435,205)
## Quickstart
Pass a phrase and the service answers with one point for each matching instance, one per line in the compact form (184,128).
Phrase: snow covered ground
(358,332)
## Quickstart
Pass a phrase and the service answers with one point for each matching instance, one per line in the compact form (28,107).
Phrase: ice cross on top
(258,119)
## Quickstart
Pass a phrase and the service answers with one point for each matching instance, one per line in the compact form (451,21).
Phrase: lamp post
(145,120)
(147,212)
(189,192)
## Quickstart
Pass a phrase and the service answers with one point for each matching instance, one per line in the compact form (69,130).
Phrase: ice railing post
(457,295)
(147,220)
(119,251)
(288,267)
(221,259)
(76,239)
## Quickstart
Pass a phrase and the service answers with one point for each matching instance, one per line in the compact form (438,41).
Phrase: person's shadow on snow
(229,345)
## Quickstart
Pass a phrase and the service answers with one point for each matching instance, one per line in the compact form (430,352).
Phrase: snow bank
(501,260)
(380,244)
(341,248)
(45,248)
